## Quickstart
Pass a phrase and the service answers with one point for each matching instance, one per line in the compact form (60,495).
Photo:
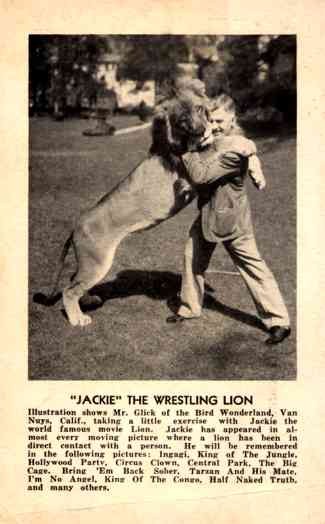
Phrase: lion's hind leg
(71,296)
(85,279)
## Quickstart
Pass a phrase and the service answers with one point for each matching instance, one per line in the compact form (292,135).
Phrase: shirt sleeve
(255,171)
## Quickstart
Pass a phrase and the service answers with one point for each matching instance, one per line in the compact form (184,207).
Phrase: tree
(39,70)
(238,67)
(57,61)
(153,57)
(281,90)
(240,55)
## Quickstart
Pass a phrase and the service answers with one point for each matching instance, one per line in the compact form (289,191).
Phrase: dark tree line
(62,62)
(57,62)
(153,57)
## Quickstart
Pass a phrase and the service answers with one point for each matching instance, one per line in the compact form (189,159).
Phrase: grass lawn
(129,338)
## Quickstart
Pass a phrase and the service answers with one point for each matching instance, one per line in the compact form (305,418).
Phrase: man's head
(222,115)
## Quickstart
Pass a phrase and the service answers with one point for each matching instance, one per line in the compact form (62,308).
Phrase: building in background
(129,93)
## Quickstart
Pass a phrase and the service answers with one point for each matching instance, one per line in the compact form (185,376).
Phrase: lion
(154,191)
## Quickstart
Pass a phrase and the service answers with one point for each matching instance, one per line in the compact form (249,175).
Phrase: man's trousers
(244,253)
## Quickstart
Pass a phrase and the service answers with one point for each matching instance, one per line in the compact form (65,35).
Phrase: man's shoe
(175,319)
(278,334)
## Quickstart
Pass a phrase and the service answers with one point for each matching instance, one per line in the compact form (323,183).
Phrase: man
(220,171)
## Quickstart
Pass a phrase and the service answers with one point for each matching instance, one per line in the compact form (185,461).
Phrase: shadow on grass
(246,318)
(159,285)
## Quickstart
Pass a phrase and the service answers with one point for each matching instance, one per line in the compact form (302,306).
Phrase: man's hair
(224,101)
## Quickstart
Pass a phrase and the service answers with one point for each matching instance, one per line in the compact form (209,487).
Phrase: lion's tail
(55,295)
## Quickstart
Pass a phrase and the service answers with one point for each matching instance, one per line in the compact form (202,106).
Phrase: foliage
(237,73)
(282,44)
(281,90)
(240,56)
(62,68)
(60,62)
(153,57)
(214,77)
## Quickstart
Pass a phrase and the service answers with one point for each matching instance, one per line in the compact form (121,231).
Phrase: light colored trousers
(244,253)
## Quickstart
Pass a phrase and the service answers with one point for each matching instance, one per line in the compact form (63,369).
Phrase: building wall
(128,95)
(127,91)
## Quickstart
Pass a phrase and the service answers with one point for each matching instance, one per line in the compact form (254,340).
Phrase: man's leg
(197,256)
(261,285)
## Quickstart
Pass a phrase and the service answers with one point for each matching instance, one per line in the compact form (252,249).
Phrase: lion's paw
(84,320)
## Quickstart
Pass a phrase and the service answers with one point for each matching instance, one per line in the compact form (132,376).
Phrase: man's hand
(260,184)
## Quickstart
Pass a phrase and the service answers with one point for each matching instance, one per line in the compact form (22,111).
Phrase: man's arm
(255,172)
(208,170)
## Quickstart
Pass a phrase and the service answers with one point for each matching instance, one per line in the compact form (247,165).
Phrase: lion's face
(188,119)
(180,124)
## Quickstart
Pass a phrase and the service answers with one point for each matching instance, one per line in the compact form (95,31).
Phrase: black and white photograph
(162,207)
